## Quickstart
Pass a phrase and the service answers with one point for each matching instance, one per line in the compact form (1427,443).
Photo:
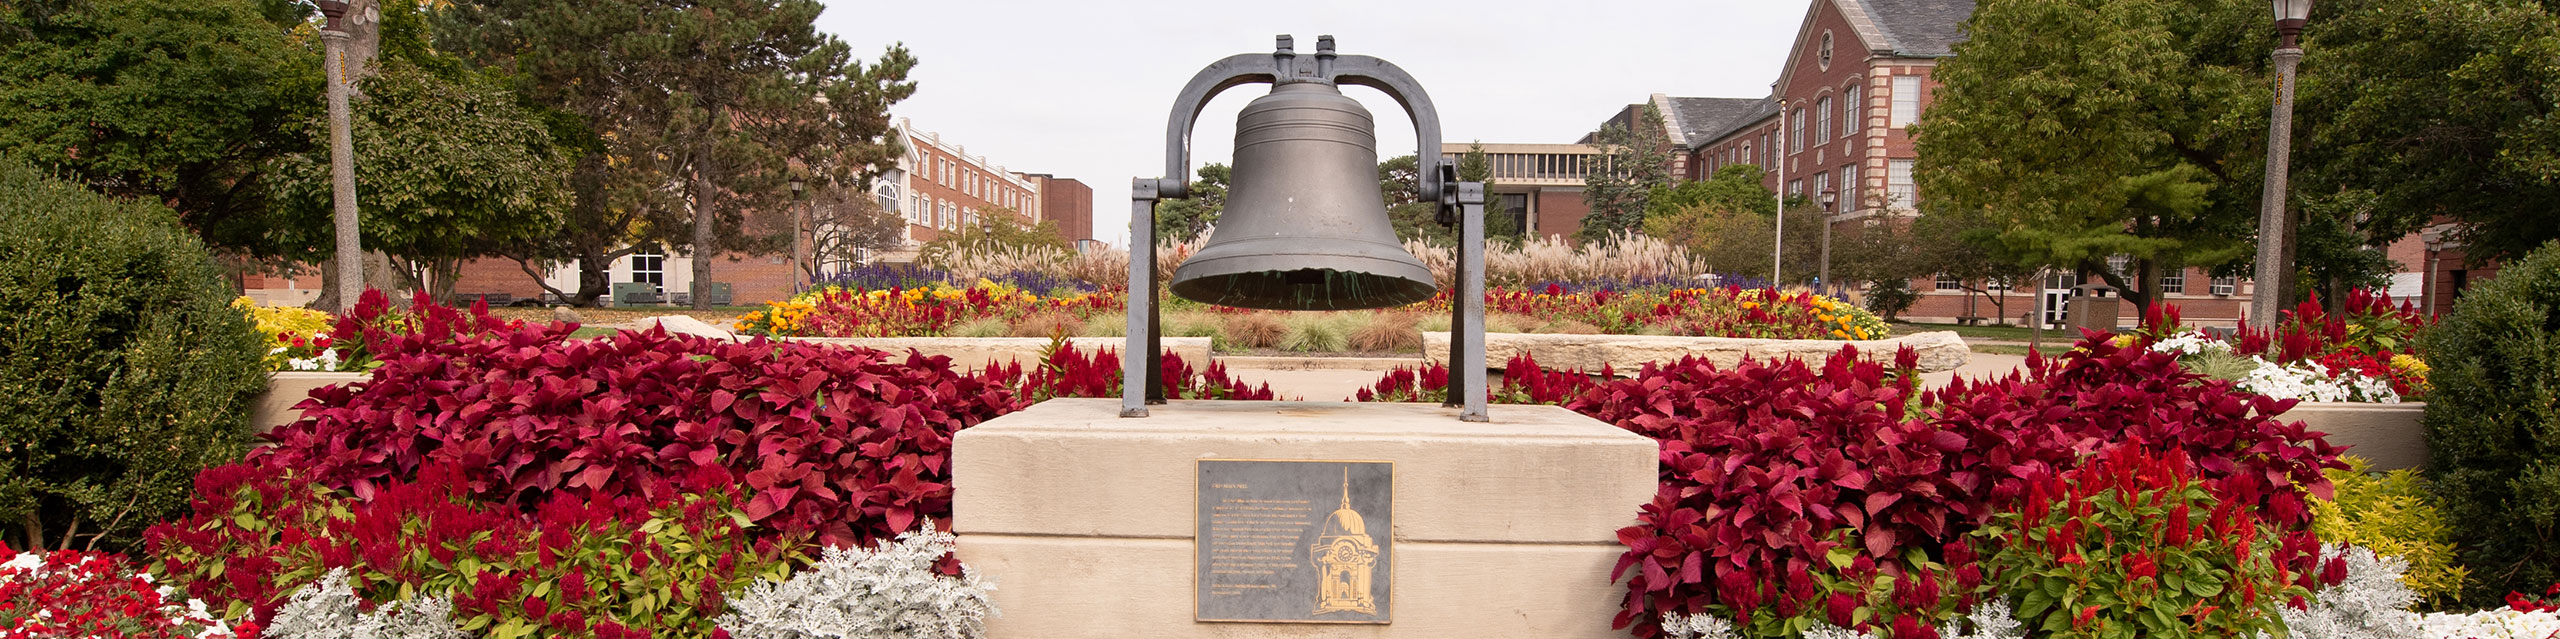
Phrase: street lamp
(2275,225)
(1830,200)
(798,206)
(349,251)
(1778,239)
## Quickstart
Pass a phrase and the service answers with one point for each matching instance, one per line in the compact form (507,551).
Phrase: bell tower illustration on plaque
(1346,556)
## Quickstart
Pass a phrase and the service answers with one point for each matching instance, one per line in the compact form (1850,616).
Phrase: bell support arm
(1361,70)
(1234,71)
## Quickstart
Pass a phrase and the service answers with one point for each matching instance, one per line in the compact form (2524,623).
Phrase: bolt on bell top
(1305,226)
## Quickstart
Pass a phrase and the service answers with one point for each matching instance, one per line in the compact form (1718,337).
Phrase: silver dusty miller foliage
(889,592)
(327,609)
(2371,604)
(1991,620)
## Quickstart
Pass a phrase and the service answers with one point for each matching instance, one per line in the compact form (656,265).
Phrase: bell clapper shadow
(1305,227)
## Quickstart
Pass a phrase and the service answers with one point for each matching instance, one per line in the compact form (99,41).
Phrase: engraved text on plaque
(1295,541)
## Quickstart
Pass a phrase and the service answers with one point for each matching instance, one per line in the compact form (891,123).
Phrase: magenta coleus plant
(1847,472)
(844,443)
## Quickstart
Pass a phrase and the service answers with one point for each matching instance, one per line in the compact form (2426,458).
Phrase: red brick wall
(498,275)
(2197,307)
(929,179)
(1069,203)
(1560,211)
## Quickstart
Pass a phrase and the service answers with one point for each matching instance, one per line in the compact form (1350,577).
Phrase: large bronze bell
(1305,227)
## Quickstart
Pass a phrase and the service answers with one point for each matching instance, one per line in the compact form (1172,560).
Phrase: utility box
(2095,307)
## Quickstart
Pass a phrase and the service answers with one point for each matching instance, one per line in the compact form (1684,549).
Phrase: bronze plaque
(1295,541)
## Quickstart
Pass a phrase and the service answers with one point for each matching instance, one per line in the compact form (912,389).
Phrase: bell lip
(1398,283)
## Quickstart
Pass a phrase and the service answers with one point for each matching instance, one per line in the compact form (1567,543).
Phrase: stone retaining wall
(2389,435)
(975,353)
(1939,351)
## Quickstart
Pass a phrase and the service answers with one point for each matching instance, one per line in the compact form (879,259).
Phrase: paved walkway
(1315,379)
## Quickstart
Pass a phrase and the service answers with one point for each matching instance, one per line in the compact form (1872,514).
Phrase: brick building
(1837,120)
(1068,203)
(1539,185)
(937,187)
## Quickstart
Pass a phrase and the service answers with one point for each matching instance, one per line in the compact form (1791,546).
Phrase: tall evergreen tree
(1632,163)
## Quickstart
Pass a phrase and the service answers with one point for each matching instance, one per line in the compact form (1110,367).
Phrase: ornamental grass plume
(1255,330)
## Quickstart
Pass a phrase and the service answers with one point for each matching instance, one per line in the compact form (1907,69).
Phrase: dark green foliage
(2493,426)
(1184,219)
(175,101)
(1890,297)
(123,367)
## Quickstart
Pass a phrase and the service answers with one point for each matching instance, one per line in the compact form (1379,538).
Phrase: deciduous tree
(177,102)
(2139,134)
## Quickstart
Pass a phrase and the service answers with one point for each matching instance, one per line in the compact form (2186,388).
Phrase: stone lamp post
(2275,225)
(349,252)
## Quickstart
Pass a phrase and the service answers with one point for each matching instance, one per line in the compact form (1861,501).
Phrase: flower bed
(2363,354)
(986,309)
(82,594)
(854,311)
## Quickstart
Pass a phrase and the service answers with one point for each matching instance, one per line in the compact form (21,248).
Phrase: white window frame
(1906,100)
(1795,132)
(1901,193)
(655,274)
(1849,188)
(1852,115)
(1822,120)
(1947,282)
(2174,281)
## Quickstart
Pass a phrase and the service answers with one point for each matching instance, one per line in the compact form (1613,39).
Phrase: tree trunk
(705,211)
(595,277)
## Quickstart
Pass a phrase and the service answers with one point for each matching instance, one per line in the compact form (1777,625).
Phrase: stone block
(974,353)
(285,389)
(1086,519)
(2389,435)
(1133,587)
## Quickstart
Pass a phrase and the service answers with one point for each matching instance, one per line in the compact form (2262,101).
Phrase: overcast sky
(1082,89)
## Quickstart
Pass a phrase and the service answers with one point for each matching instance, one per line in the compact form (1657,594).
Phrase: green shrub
(2493,426)
(123,367)
(2393,515)
(1890,297)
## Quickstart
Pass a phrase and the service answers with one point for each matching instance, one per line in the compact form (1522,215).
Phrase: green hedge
(2493,426)
(123,367)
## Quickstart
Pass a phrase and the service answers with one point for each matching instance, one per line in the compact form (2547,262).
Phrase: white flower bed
(326,361)
(2191,343)
(2488,624)
(2311,382)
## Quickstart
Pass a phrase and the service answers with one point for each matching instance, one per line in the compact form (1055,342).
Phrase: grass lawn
(2000,333)
(2005,349)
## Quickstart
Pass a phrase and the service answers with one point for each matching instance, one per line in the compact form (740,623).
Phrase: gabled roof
(1761,109)
(1697,120)
(1918,28)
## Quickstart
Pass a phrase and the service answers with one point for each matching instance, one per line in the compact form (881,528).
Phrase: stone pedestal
(1086,521)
